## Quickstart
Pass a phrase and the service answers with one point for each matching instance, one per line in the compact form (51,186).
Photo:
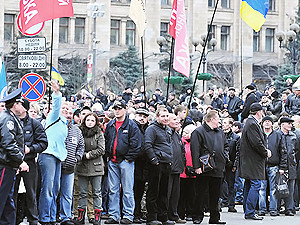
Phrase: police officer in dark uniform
(11,154)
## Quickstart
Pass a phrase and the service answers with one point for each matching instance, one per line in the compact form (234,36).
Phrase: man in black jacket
(230,169)
(292,103)
(277,163)
(140,170)
(209,138)
(233,104)
(122,145)
(158,147)
(177,168)
(11,153)
(253,155)
(250,99)
(35,142)
(291,144)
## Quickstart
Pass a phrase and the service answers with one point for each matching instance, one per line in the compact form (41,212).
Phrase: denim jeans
(121,173)
(66,196)
(83,185)
(289,200)
(271,174)
(50,168)
(238,188)
(251,190)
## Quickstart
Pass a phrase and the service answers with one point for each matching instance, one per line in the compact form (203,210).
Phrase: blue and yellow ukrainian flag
(56,75)
(3,84)
(254,12)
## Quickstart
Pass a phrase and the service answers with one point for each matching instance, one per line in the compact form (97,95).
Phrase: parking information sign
(32,61)
(37,44)
(33,86)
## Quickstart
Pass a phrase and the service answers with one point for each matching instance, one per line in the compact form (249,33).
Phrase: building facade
(240,56)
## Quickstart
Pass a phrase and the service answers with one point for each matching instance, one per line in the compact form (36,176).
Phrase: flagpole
(143,67)
(200,62)
(51,54)
(170,68)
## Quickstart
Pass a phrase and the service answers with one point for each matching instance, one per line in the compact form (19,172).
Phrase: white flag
(138,14)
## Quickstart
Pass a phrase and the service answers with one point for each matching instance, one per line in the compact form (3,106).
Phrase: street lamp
(291,37)
(161,41)
(212,43)
(95,10)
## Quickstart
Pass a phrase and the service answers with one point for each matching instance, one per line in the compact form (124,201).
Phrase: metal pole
(51,56)
(170,68)
(294,58)
(94,52)
(204,62)
(143,67)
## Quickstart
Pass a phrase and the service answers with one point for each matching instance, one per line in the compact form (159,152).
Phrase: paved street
(238,219)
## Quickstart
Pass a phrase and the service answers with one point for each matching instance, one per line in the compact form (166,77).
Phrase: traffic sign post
(37,44)
(33,86)
(32,61)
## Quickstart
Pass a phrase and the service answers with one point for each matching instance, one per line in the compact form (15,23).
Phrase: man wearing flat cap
(11,153)
(233,104)
(250,99)
(276,163)
(291,144)
(122,146)
(141,170)
(253,155)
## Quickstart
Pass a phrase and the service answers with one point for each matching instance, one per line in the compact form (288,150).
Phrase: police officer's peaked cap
(13,97)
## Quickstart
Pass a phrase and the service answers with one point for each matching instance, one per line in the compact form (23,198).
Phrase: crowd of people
(140,158)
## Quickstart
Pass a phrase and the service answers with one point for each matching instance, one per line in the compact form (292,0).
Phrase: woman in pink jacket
(186,178)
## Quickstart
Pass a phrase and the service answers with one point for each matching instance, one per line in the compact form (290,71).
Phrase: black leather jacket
(35,137)
(234,106)
(292,105)
(11,140)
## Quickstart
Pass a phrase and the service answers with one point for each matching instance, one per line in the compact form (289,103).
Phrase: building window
(256,41)
(63,30)
(130,33)
(225,4)
(114,32)
(79,30)
(211,3)
(164,29)
(271,5)
(225,32)
(8,27)
(164,2)
(270,40)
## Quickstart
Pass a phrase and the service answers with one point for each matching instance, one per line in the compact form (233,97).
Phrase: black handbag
(207,162)
(282,188)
